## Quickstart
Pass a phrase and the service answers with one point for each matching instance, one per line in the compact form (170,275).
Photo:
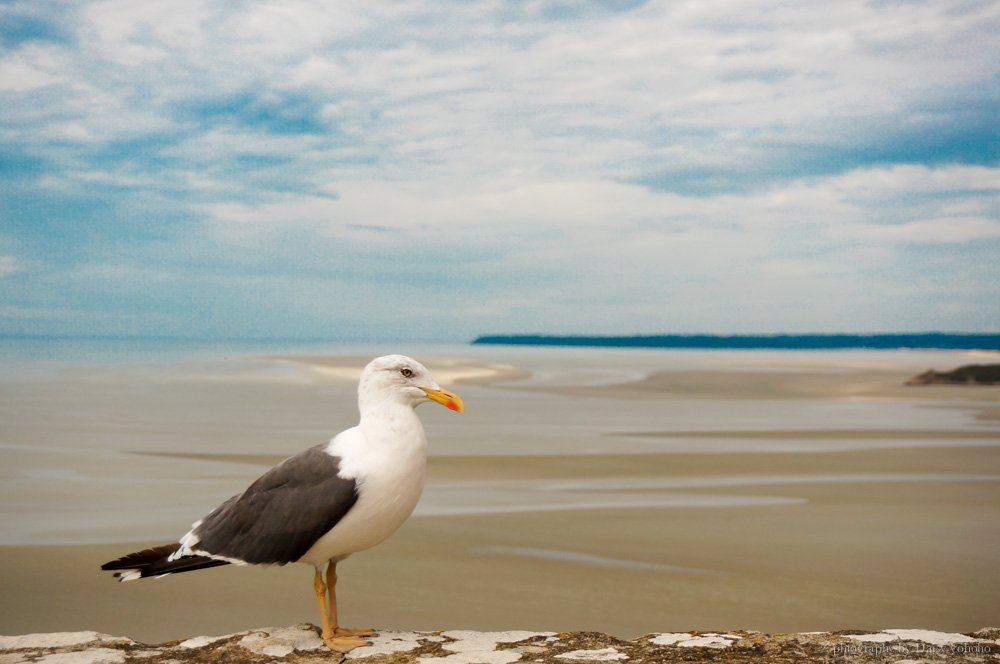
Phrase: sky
(432,170)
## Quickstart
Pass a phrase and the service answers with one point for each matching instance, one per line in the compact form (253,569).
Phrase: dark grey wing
(281,515)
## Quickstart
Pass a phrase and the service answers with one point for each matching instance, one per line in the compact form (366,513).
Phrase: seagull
(323,504)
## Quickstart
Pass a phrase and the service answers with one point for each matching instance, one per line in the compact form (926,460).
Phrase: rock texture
(301,644)
(971,374)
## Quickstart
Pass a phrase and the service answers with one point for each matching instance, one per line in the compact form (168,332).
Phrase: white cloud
(916,179)
(660,261)
(435,71)
(944,230)
(17,75)
(133,35)
(8,266)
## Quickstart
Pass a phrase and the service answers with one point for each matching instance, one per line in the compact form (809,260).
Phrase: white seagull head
(402,380)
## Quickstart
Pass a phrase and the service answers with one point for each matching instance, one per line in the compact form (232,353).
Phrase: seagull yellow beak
(449,400)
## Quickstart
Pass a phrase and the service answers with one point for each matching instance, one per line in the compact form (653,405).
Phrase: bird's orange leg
(338,631)
(320,589)
(340,639)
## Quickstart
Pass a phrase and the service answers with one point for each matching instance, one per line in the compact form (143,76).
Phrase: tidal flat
(621,491)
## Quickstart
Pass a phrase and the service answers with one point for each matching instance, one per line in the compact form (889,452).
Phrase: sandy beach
(619,491)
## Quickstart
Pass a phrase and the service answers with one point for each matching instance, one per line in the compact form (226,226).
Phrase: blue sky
(433,170)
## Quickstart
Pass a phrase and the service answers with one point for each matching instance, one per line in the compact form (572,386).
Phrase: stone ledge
(300,644)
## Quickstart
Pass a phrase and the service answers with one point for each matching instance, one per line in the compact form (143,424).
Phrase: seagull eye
(406,371)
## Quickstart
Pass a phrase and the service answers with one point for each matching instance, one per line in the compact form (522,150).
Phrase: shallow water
(83,443)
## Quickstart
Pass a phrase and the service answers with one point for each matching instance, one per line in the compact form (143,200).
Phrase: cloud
(8,265)
(945,230)
(300,167)
(18,76)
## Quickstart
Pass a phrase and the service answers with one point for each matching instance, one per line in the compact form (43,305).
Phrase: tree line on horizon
(927,340)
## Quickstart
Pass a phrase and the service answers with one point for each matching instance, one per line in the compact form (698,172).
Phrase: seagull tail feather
(156,562)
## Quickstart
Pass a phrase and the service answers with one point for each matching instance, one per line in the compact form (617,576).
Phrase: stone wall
(301,644)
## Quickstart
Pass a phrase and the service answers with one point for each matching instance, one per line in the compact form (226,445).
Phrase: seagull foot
(349,631)
(344,643)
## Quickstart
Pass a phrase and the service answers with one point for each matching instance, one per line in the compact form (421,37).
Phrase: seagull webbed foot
(349,631)
(344,643)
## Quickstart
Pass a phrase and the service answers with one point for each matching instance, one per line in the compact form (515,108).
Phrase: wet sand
(790,383)
(857,556)
(862,506)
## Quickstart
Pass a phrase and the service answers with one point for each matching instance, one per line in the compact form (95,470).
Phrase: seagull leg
(320,589)
(331,587)
(336,638)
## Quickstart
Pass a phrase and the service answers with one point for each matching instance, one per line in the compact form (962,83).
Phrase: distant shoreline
(928,340)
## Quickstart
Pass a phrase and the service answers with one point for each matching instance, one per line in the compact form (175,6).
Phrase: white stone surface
(282,641)
(688,640)
(56,640)
(480,647)
(386,643)
(202,641)
(924,635)
(95,656)
(934,638)
(878,637)
(602,655)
